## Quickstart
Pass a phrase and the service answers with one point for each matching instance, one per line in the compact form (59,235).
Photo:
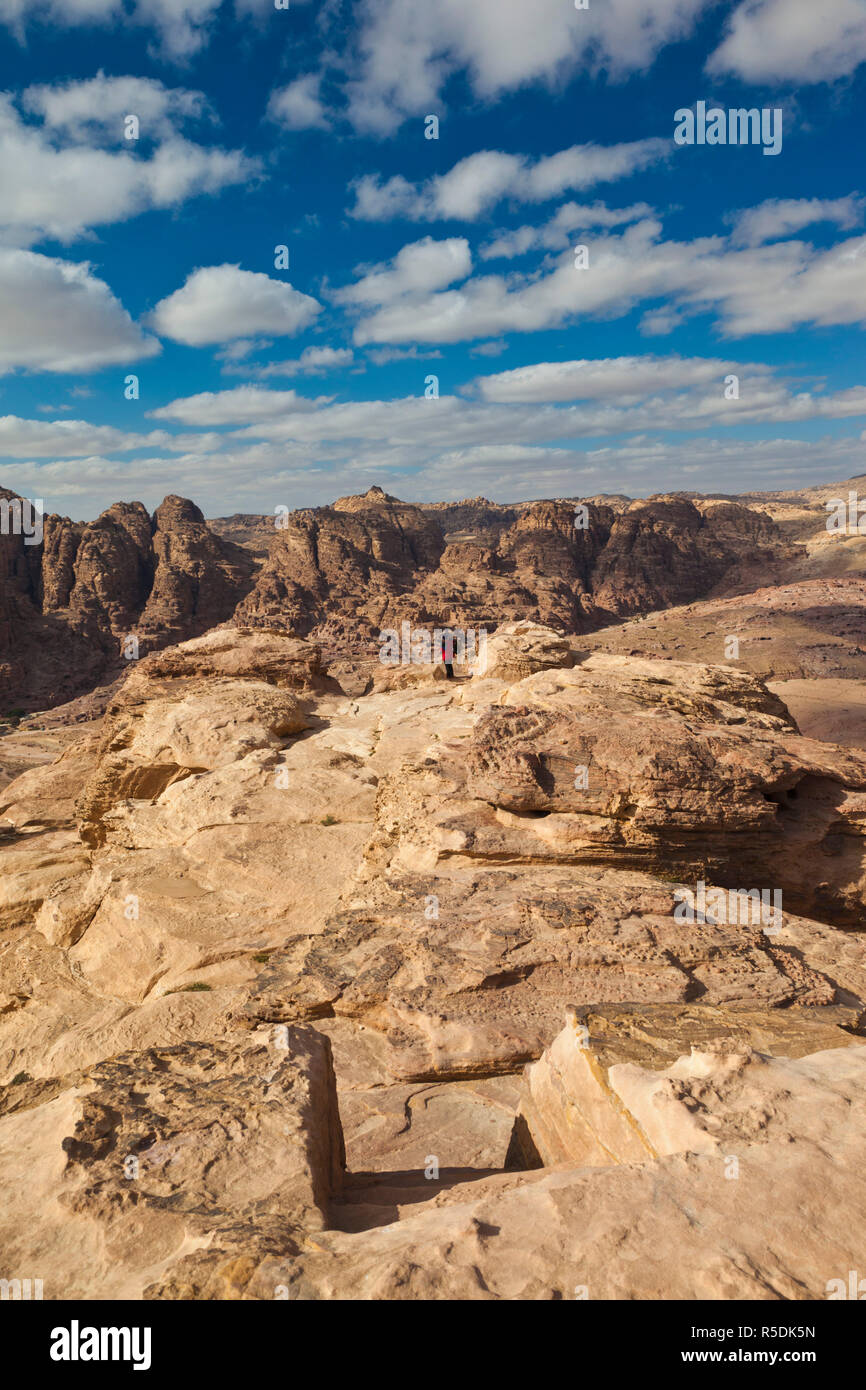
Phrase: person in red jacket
(446,651)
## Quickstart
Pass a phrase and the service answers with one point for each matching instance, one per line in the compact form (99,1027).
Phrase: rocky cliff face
(370,562)
(341,573)
(67,604)
(197,578)
(341,568)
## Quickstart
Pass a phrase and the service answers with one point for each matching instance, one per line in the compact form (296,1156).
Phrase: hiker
(446,651)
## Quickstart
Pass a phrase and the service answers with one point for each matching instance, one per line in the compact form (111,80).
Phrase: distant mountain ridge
(339,573)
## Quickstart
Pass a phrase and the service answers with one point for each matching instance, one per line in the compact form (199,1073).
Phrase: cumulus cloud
(244,404)
(481,180)
(553,235)
(299,106)
(518,434)
(57,183)
(624,379)
(762,289)
(399,54)
(48,438)
(543,407)
(220,302)
(779,217)
(534,414)
(59,317)
(254,477)
(792,40)
(418,269)
(94,109)
(406,52)
(183,26)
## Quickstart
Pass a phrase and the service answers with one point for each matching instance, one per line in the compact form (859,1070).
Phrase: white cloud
(775,288)
(221,302)
(58,317)
(658,323)
(244,404)
(407,51)
(47,438)
(183,25)
(378,200)
(481,180)
(792,40)
(55,186)
(313,361)
(419,268)
(418,425)
(238,350)
(299,106)
(763,289)
(491,306)
(521,413)
(477,182)
(494,348)
(380,357)
(570,218)
(778,217)
(20,437)
(584,166)
(254,478)
(63,13)
(95,109)
(623,379)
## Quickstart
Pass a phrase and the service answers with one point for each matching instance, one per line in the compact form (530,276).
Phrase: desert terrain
(328,978)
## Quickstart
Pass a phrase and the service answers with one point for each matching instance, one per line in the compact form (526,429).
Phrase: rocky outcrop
(197,579)
(613,1087)
(473,516)
(73,600)
(244,862)
(520,649)
(230,652)
(19,569)
(666,551)
(149,746)
(611,760)
(747,1184)
(341,573)
(340,568)
(182,1165)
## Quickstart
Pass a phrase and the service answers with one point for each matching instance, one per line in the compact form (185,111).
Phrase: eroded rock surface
(247,892)
(68,604)
(153,1156)
(70,601)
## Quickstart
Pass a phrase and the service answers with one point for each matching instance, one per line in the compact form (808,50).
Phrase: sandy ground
(829,709)
(25,748)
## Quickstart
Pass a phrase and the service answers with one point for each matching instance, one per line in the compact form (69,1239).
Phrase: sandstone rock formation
(341,573)
(157,1155)
(67,604)
(322,978)
(245,899)
(612,1087)
(746,1184)
(370,561)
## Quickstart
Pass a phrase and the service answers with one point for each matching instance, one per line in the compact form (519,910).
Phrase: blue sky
(409,257)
